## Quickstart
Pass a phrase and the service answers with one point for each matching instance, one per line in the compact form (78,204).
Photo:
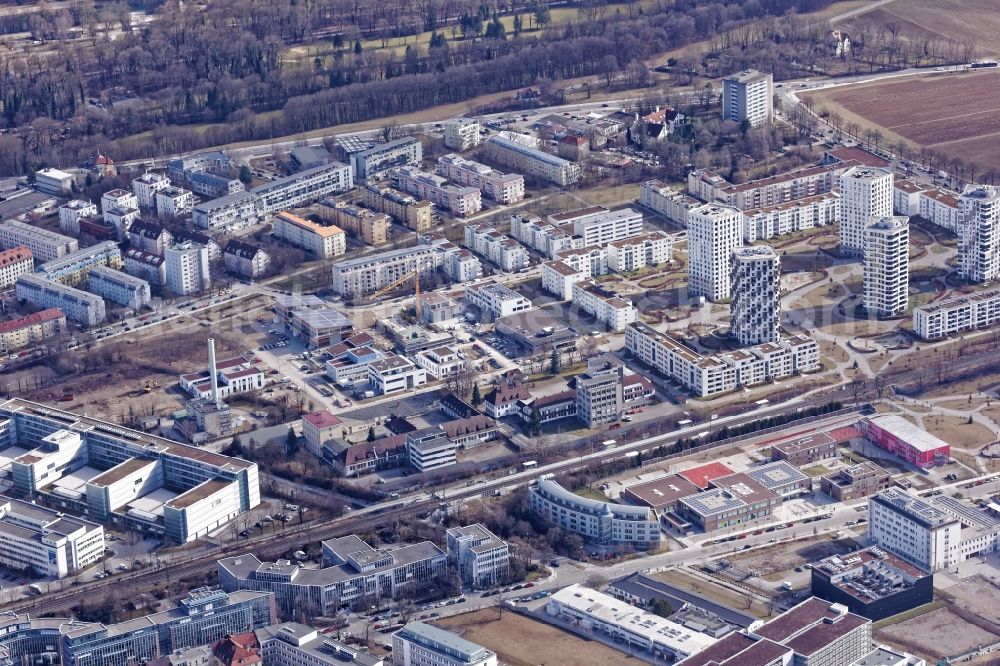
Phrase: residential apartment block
(459,201)
(215,161)
(353,571)
(462,134)
(631,254)
(604,523)
(394,373)
(45,245)
(186,268)
(940,207)
(596,225)
(726,371)
(150,267)
(118,287)
(70,214)
(979,233)
(495,300)
(79,306)
(865,192)
(419,644)
(755,307)
(765,192)
(670,202)
(120,209)
(303,187)
(321,241)
(415,214)
(502,250)
(361,223)
(961,313)
(714,232)
(31,329)
(887,266)
(374,162)
(503,188)
(791,216)
(532,161)
(13,264)
(860,480)
(611,309)
(72,269)
(151,237)
(214,186)
(174,201)
(364,275)
(146,186)
(905,197)
(547,238)
(245,259)
(229,212)
(748,96)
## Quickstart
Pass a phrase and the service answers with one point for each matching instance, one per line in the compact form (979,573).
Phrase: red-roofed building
(702,476)
(357,459)
(502,400)
(14,263)
(31,330)
(235,375)
(238,650)
(573,147)
(317,427)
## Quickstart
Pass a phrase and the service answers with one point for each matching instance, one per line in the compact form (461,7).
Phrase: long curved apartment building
(599,522)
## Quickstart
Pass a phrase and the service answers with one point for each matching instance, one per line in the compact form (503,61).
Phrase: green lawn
(816,470)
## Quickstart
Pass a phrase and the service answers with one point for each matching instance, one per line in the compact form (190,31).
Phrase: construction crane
(415,274)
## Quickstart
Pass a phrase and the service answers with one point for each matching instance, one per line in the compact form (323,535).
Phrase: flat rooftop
(119,472)
(661,492)
(198,493)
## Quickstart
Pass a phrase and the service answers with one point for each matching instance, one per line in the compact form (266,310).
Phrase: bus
(529,464)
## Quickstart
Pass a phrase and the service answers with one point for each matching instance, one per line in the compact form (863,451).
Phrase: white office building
(631,254)
(532,161)
(70,214)
(53,181)
(174,201)
(146,186)
(480,557)
(462,134)
(962,313)
(233,211)
(754,309)
(118,287)
(887,266)
(495,300)
(46,541)
(45,245)
(419,644)
(303,187)
(187,270)
(395,373)
(714,232)
(748,96)
(865,192)
(83,308)
(979,233)
(428,449)
(914,530)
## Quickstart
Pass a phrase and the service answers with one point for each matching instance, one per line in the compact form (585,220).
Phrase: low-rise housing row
(705,375)
(324,242)
(631,254)
(596,225)
(72,269)
(799,184)
(502,250)
(303,187)
(503,188)
(953,315)
(791,216)
(229,212)
(547,238)
(369,226)
(31,329)
(670,202)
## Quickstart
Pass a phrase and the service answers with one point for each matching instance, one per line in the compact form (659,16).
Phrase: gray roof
(647,588)
(444,641)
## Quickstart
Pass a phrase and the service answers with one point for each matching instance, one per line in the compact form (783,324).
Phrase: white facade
(754,308)
(146,186)
(45,245)
(547,238)
(429,449)
(941,208)
(462,133)
(905,197)
(419,644)
(914,530)
(233,211)
(887,266)
(459,201)
(174,201)
(118,287)
(395,373)
(13,264)
(504,251)
(600,522)
(461,265)
(202,509)
(481,558)
(597,225)
(532,161)
(865,192)
(495,300)
(964,313)
(748,95)
(558,279)
(979,233)
(440,362)
(379,159)
(631,254)
(791,216)
(614,311)
(47,541)
(303,187)
(70,214)
(187,270)
(364,275)
(322,241)
(714,232)
(53,181)
(669,202)
(81,307)
(504,188)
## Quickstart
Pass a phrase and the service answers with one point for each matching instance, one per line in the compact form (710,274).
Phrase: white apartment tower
(979,233)
(187,268)
(714,232)
(887,263)
(865,192)
(462,134)
(748,95)
(754,310)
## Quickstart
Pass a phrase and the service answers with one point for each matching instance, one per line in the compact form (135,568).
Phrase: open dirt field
(521,641)
(786,556)
(937,634)
(958,20)
(958,432)
(977,595)
(713,592)
(968,126)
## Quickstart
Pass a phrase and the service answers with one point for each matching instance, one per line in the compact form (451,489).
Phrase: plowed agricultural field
(957,115)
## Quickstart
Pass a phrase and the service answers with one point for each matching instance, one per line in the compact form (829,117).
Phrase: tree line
(228,65)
